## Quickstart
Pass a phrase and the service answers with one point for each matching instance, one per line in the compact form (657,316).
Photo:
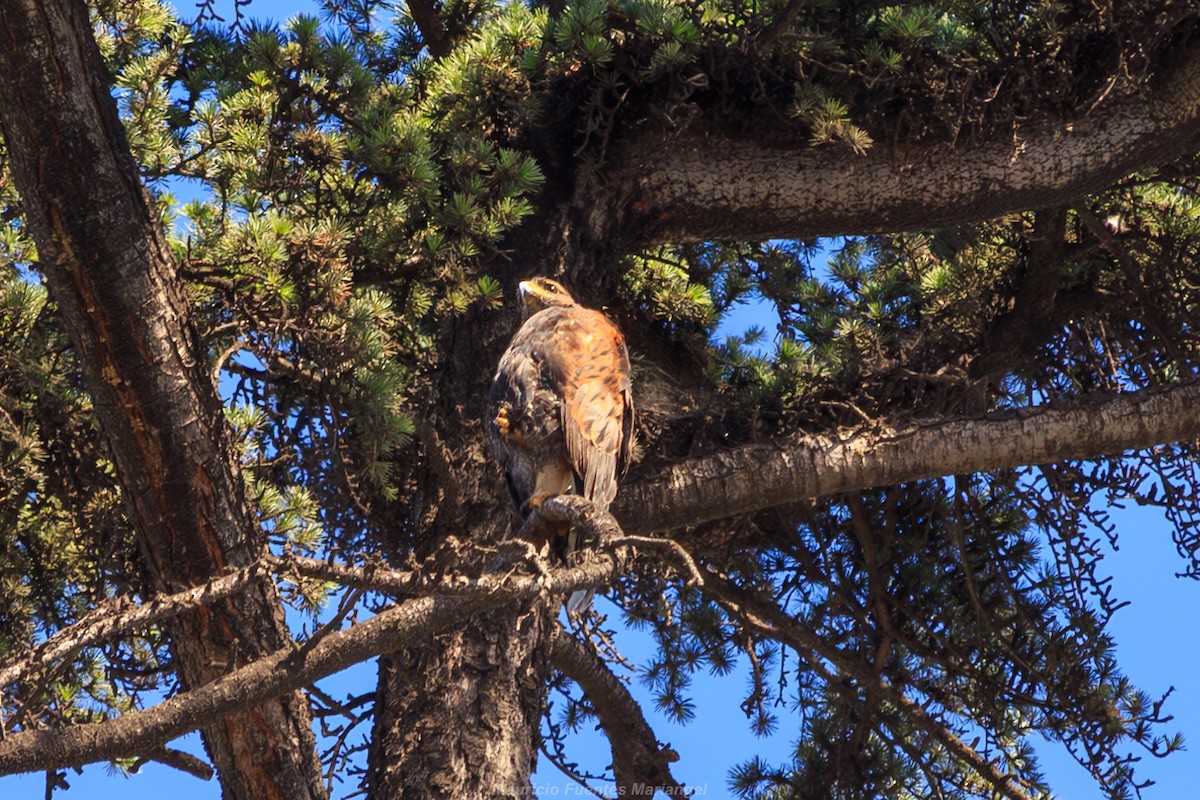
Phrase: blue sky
(1158,637)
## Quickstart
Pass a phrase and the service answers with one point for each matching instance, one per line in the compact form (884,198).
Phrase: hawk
(560,410)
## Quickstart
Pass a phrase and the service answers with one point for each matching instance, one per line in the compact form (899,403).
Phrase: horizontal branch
(269,677)
(703,186)
(761,476)
(292,668)
(113,619)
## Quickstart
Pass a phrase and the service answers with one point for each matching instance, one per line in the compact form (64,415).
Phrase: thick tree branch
(425,14)
(268,677)
(761,476)
(710,186)
(640,764)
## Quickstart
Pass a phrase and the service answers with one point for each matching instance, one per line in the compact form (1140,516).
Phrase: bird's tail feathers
(579,602)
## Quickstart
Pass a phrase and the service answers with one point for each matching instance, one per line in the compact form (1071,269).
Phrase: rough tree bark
(760,476)
(771,184)
(113,277)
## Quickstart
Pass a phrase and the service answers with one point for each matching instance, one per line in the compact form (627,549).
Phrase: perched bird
(560,410)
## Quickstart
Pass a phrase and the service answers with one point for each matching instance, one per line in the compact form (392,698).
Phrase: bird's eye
(550,287)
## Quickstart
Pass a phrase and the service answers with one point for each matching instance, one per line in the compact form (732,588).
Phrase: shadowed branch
(640,764)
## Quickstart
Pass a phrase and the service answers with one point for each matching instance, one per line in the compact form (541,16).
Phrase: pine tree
(975,225)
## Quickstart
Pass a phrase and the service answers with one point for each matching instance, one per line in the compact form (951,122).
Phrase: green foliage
(343,202)
(661,283)
(64,543)
(829,119)
(350,204)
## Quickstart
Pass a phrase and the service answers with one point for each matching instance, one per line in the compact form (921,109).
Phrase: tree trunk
(459,717)
(112,275)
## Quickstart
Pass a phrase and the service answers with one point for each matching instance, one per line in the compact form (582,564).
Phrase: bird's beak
(528,294)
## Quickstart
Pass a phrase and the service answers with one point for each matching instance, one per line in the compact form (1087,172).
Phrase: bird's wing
(597,407)
(527,389)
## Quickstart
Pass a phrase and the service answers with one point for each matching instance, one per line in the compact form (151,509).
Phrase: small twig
(338,753)
(695,578)
(225,355)
(121,615)
(758,690)
(606,647)
(862,415)
(570,773)
(349,600)
(336,707)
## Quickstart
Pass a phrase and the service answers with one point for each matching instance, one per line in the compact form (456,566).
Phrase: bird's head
(539,293)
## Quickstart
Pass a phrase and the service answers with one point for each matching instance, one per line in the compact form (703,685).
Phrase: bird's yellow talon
(506,429)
